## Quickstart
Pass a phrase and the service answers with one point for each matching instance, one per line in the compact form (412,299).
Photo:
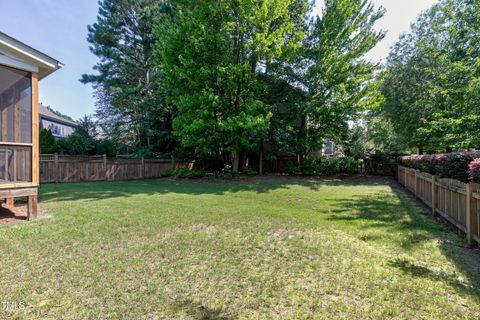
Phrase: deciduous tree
(338,79)
(212,55)
(431,87)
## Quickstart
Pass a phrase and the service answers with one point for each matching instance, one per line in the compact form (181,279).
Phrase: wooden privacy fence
(58,168)
(455,201)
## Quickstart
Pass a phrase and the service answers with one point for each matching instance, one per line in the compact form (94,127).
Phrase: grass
(281,248)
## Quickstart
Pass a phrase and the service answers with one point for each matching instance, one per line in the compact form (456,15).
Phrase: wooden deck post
(32,199)
(10,202)
(434,195)
(32,207)
(35,132)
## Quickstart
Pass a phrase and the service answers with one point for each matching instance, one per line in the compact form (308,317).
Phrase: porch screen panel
(15,106)
(15,164)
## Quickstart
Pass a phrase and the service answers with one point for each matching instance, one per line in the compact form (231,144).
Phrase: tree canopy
(215,78)
(340,83)
(212,55)
(431,86)
(130,102)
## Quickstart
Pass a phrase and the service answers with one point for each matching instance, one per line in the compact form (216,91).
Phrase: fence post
(468,215)
(56,167)
(105,167)
(434,195)
(415,181)
(143,168)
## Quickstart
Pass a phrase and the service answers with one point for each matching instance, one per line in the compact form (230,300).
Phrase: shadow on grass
(423,272)
(392,214)
(95,191)
(200,312)
(404,223)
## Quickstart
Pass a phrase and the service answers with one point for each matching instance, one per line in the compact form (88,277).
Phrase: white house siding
(58,130)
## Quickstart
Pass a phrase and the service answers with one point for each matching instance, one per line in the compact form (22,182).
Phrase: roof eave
(45,63)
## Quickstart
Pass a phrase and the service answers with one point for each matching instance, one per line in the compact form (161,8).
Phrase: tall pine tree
(130,102)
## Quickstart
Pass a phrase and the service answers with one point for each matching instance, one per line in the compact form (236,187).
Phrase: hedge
(474,167)
(463,166)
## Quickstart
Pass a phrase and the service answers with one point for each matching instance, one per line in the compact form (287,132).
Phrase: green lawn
(276,248)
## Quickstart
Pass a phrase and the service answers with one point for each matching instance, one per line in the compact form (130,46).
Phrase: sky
(59,29)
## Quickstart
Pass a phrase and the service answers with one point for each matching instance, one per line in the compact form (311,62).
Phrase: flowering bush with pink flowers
(446,165)
(474,167)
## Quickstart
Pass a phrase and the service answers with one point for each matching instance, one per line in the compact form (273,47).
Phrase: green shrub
(291,168)
(350,165)
(107,147)
(310,167)
(48,144)
(227,174)
(77,144)
(270,156)
(186,173)
(168,173)
(250,171)
(329,166)
(324,166)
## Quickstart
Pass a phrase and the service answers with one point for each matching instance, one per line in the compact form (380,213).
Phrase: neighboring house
(60,127)
(329,148)
(21,67)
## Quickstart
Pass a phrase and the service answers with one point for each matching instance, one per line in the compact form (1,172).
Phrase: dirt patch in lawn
(17,213)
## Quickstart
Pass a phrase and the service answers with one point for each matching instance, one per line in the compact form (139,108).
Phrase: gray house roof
(45,113)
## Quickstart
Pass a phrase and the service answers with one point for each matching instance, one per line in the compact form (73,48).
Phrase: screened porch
(15,126)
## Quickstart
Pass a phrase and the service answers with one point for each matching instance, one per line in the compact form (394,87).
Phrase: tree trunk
(260,160)
(243,161)
(300,158)
(303,134)
(448,149)
(235,160)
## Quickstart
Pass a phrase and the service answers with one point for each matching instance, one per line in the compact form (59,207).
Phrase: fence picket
(59,168)
(455,201)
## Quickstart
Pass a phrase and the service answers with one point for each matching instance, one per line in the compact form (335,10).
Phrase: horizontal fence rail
(59,168)
(453,200)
